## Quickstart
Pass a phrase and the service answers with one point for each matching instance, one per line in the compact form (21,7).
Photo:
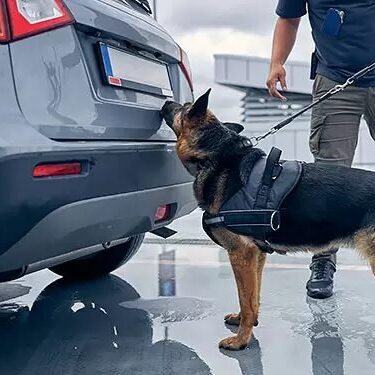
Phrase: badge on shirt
(333,21)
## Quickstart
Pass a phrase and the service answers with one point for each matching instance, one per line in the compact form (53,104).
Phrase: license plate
(136,73)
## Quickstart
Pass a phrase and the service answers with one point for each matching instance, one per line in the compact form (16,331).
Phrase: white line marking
(269,265)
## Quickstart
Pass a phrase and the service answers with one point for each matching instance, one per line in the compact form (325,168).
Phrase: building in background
(260,111)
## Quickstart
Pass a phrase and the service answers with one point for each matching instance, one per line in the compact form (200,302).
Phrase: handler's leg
(244,263)
(333,140)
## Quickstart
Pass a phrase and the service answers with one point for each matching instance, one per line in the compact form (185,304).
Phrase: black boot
(323,268)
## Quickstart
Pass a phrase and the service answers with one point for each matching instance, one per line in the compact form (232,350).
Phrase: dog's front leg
(261,263)
(235,319)
(244,262)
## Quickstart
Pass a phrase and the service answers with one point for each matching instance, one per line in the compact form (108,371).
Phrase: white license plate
(134,72)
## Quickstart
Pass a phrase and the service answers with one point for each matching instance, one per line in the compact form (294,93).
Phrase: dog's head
(201,137)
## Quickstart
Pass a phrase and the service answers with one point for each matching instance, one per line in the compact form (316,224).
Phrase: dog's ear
(200,106)
(238,128)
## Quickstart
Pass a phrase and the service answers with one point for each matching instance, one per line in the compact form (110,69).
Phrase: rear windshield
(142,6)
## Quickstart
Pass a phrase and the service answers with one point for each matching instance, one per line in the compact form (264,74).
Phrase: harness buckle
(215,220)
(275,221)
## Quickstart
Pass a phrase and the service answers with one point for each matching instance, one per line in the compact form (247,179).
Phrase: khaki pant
(335,122)
(335,126)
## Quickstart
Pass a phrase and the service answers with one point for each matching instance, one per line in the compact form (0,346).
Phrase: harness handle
(335,90)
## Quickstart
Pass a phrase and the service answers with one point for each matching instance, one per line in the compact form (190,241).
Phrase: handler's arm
(283,42)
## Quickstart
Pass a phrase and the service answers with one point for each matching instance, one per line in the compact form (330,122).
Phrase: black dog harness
(255,209)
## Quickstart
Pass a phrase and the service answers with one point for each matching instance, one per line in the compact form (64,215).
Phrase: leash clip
(254,141)
(342,87)
(247,142)
(338,88)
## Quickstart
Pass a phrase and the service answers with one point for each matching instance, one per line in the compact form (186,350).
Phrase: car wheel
(101,263)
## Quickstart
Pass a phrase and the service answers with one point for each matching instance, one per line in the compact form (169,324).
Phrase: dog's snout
(166,107)
(168,111)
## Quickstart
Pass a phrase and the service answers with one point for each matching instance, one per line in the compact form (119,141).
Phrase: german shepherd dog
(330,206)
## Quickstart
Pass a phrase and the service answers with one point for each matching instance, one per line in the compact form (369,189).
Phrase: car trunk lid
(76,99)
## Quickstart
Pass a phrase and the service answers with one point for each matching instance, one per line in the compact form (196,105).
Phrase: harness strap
(262,222)
(261,219)
(271,172)
(272,162)
(207,227)
(253,218)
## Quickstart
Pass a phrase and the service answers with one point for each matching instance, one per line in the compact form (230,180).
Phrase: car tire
(101,263)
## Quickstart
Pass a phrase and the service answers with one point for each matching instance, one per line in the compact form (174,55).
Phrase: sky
(207,27)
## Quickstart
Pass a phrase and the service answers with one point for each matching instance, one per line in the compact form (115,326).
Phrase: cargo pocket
(317,123)
(322,85)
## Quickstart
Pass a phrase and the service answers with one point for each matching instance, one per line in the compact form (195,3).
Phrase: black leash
(329,94)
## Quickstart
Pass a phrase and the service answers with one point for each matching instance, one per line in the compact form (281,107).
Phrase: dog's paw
(233,343)
(233,319)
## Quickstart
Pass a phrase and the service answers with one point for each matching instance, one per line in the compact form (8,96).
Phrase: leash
(335,90)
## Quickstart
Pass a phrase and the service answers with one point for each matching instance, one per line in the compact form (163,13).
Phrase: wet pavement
(163,314)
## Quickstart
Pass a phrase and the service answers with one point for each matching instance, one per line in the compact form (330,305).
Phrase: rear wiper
(144,4)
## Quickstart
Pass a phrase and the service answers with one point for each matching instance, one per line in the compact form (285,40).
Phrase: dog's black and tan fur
(330,206)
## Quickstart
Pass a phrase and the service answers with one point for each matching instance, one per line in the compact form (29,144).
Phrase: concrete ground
(163,314)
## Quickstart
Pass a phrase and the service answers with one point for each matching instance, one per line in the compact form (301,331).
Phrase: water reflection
(249,360)
(327,354)
(105,327)
(84,328)
(167,273)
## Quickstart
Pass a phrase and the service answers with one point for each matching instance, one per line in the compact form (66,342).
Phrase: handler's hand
(277,74)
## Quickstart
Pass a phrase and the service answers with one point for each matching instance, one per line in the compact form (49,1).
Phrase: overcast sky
(206,27)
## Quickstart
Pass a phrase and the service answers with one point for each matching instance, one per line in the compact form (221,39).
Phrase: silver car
(86,164)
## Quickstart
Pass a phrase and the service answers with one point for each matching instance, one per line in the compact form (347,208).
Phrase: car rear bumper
(116,197)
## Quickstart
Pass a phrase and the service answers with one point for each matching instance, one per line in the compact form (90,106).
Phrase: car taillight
(29,17)
(163,213)
(186,68)
(54,170)
(4,30)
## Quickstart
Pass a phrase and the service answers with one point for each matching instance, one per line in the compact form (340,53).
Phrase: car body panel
(57,107)
(24,200)
(10,111)
(78,225)
(123,23)
(62,90)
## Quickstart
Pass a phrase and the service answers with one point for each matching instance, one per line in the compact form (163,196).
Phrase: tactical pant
(335,125)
